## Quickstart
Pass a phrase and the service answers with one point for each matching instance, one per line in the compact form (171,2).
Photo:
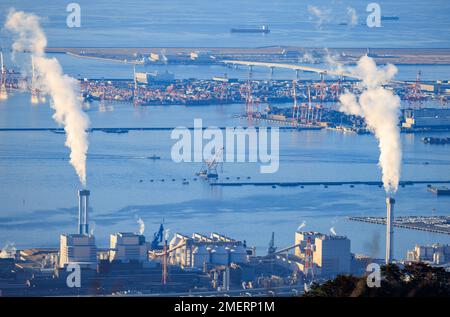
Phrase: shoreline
(398,56)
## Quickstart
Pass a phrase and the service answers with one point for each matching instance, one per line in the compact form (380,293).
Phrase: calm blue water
(38,196)
(39,185)
(207,23)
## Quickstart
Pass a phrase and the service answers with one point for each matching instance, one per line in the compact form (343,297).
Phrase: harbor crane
(3,93)
(157,237)
(135,89)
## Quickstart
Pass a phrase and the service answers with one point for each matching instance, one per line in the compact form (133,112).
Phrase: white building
(330,254)
(435,254)
(78,248)
(126,246)
(156,76)
(199,250)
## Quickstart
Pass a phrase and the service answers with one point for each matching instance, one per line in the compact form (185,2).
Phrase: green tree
(411,280)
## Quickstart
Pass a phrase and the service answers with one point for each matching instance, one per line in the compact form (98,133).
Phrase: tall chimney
(389,229)
(83,207)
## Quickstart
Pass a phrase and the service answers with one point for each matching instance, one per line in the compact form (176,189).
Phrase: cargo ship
(263,29)
(389,18)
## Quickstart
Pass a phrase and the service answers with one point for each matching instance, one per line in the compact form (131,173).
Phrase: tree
(411,280)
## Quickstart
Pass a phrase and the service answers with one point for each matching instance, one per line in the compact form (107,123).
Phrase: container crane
(135,89)
(3,93)
(295,110)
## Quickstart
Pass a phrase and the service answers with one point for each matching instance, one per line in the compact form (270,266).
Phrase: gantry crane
(3,92)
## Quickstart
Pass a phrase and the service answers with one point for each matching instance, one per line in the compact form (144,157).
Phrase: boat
(59,131)
(153,157)
(389,18)
(263,29)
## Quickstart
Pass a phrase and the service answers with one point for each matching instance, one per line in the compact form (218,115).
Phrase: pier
(324,183)
(411,223)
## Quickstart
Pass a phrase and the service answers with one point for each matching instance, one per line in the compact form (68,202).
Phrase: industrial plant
(213,264)
(114,104)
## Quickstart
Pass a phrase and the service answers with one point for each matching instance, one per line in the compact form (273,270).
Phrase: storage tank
(219,255)
(238,254)
(200,256)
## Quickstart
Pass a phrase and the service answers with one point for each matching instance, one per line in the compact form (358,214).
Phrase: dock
(324,183)
(437,224)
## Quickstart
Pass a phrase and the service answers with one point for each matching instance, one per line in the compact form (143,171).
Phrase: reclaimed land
(412,56)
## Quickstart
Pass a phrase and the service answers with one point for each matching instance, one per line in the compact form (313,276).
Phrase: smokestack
(389,229)
(83,206)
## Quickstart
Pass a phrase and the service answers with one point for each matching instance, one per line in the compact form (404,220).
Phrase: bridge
(297,68)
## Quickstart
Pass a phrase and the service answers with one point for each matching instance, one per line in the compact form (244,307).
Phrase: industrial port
(361,148)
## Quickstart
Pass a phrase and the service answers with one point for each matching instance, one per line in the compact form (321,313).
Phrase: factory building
(126,247)
(435,254)
(330,254)
(156,76)
(200,250)
(200,56)
(78,248)
(426,118)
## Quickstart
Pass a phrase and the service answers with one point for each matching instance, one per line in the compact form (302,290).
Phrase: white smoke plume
(8,251)
(64,90)
(332,61)
(380,109)
(141,226)
(333,231)
(320,16)
(92,228)
(307,58)
(166,234)
(302,225)
(353,17)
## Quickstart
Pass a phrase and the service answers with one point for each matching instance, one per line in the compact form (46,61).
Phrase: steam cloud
(8,251)
(141,226)
(351,12)
(166,234)
(64,90)
(321,16)
(380,109)
(333,231)
(302,225)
